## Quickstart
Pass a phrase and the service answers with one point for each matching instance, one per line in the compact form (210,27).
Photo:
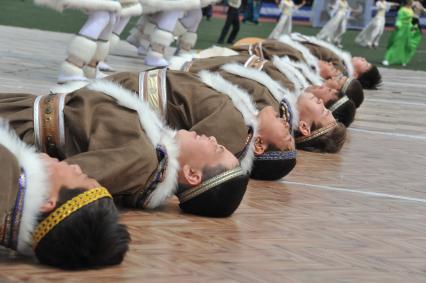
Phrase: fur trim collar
(242,102)
(157,132)
(38,185)
(215,51)
(310,59)
(176,63)
(343,55)
(284,66)
(276,89)
(305,72)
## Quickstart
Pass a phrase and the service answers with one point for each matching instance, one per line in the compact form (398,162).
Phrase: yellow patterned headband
(66,210)
(317,133)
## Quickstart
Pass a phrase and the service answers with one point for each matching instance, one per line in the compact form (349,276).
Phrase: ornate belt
(49,127)
(152,89)
(255,62)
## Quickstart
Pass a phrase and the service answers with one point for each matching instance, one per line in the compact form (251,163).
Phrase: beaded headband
(338,103)
(66,210)
(209,184)
(286,112)
(346,85)
(317,133)
(276,155)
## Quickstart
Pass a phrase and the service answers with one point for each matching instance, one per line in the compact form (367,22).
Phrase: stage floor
(356,216)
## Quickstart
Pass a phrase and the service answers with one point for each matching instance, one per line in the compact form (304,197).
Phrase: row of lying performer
(115,137)
(104,124)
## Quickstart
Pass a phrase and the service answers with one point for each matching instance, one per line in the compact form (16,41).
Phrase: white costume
(91,44)
(370,35)
(333,30)
(284,25)
(161,22)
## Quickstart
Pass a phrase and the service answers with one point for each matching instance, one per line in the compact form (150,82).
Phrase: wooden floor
(357,216)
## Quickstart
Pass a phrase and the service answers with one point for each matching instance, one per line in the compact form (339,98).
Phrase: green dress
(404,40)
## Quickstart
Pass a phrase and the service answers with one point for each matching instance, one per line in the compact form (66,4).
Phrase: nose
(213,139)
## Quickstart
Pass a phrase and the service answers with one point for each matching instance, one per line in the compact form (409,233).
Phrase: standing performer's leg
(226,27)
(83,47)
(162,37)
(235,26)
(190,23)
(102,48)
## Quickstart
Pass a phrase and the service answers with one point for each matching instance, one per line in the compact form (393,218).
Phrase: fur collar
(343,55)
(310,59)
(276,89)
(38,185)
(242,102)
(284,66)
(156,130)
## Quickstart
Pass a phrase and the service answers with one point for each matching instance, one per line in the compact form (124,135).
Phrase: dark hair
(355,92)
(345,113)
(91,237)
(330,142)
(371,79)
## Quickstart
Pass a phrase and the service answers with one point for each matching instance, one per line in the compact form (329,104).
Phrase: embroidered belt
(152,89)
(256,49)
(49,127)
(255,62)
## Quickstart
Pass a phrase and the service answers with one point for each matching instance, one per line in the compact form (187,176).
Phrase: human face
(64,176)
(274,129)
(325,93)
(361,65)
(336,83)
(199,151)
(313,111)
(327,70)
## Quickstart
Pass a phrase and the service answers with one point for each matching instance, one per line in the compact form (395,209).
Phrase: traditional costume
(284,25)
(188,103)
(404,40)
(91,44)
(265,88)
(25,187)
(104,124)
(371,34)
(162,21)
(333,30)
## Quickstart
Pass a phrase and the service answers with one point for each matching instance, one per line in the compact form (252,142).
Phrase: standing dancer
(418,11)
(284,25)
(91,44)
(404,39)
(333,30)
(233,19)
(371,34)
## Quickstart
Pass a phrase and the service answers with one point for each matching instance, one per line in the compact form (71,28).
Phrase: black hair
(355,92)
(371,79)
(345,113)
(91,237)
(330,142)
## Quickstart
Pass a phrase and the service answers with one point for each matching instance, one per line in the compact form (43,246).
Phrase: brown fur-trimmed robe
(105,139)
(192,105)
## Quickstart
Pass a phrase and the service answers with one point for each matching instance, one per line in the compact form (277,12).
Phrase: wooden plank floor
(358,216)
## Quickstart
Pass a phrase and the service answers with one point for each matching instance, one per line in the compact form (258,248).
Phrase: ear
(48,206)
(304,128)
(191,175)
(259,146)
